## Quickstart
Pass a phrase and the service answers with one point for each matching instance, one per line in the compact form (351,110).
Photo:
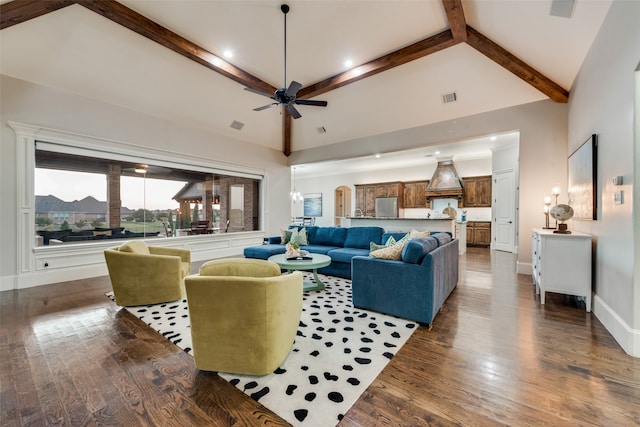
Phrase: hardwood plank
(495,356)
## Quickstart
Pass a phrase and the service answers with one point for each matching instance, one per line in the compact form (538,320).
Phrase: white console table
(561,263)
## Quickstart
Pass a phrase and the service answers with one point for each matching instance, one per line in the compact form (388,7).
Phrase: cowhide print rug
(338,352)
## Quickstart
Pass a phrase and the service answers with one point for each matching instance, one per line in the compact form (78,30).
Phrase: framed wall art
(313,205)
(583,172)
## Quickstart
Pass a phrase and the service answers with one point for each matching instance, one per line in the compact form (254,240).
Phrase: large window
(80,198)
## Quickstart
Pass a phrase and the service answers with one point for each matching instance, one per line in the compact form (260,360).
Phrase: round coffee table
(317,261)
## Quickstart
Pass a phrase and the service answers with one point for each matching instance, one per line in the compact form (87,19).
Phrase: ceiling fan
(287,95)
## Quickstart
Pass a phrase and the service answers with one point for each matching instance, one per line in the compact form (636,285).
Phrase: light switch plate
(618,197)
(617,180)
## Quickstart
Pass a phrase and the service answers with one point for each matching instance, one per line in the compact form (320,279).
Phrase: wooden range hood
(445,183)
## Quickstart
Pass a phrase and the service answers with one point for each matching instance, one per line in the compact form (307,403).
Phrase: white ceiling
(76,50)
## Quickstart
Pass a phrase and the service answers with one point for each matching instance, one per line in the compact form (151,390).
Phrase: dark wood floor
(495,356)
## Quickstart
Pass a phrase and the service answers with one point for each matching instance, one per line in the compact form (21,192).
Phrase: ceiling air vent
(322,129)
(449,97)
(562,8)
(237,125)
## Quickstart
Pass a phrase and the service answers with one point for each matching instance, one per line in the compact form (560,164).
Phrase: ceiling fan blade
(293,88)
(311,102)
(292,110)
(264,107)
(259,92)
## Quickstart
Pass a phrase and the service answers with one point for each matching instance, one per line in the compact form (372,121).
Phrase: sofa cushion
(311,232)
(319,249)
(345,254)
(416,249)
(442,238)
(361,237)
(136,247)
(329,236)
(263,251)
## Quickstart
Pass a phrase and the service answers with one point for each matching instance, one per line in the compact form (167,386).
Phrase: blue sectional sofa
(340,244)
(414,288)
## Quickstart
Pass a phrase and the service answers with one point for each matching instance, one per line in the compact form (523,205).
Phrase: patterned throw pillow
(299,237)
(393,251)
(285,236)
(415,234)
(373,246)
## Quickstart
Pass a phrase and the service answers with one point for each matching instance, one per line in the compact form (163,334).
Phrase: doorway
(342,204)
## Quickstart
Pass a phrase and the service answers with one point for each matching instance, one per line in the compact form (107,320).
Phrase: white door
(504,196)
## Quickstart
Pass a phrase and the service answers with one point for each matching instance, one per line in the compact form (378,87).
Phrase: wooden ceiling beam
(144,26)
(19,11)
(401,56)
(516,66)
(457,21)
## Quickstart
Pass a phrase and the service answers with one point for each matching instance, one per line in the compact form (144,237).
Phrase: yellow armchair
(244,315)
(142,275)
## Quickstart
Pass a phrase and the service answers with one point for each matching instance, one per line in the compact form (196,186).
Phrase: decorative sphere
(561,212)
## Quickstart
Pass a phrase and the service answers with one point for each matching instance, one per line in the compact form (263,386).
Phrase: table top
(317,261)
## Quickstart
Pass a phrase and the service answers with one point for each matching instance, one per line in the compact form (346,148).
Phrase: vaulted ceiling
(167,59)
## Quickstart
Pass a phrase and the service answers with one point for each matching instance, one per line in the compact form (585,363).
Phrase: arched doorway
(342,204)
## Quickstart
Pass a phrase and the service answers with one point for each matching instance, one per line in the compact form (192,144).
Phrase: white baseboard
(524,268)
(627,337)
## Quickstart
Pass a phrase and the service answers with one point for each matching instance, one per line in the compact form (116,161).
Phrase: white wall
(41,106)
(602,102)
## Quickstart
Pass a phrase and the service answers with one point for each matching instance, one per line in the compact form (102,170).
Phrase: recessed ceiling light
(437,152)
(228,53)
(493,138)
(348,63)
(377,156)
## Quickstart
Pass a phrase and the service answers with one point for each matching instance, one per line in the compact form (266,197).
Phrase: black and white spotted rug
(338,352)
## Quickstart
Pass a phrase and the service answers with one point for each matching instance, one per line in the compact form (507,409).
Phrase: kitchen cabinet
(415,194)
(366,195)
(561,263)
(477,191)
(479,233)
